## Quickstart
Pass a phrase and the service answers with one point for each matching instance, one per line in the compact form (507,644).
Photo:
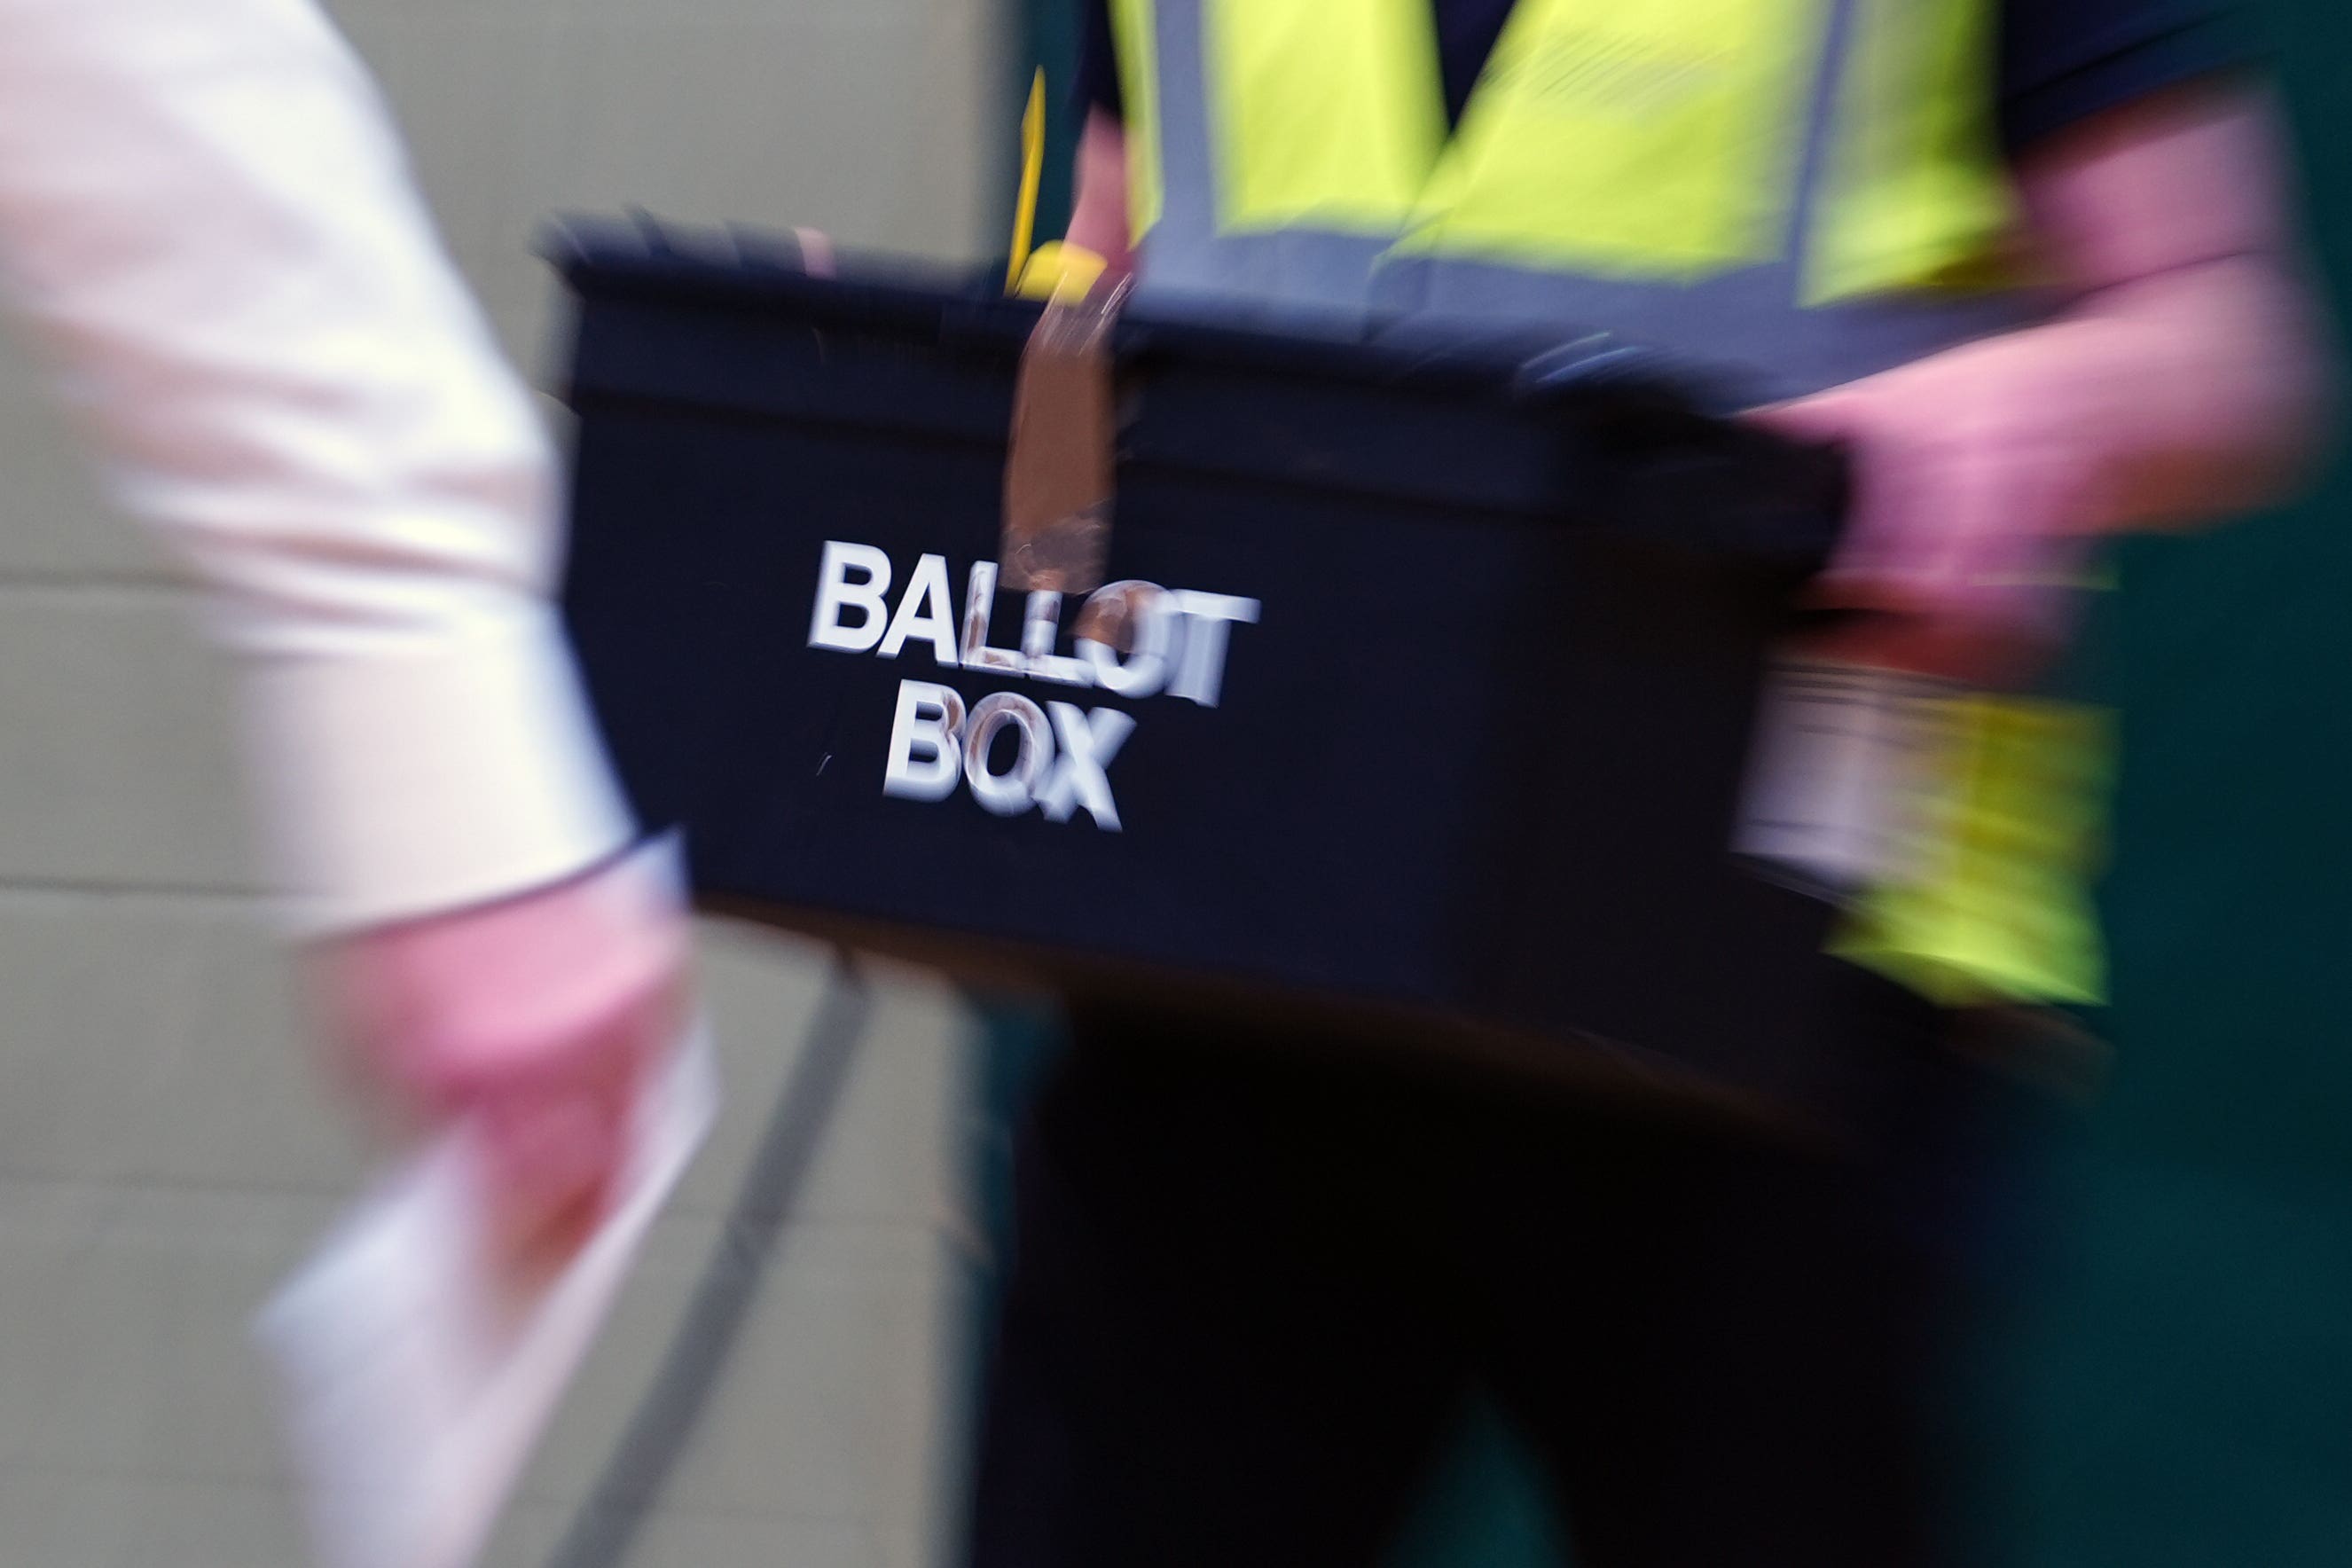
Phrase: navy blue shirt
(2061,60)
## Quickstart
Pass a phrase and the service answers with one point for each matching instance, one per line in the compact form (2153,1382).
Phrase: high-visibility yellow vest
(1809,189)
(1810,186)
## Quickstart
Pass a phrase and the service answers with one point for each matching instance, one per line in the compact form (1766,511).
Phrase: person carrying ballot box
(2029,263)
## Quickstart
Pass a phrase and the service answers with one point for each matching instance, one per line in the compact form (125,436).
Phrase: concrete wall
(166,1149)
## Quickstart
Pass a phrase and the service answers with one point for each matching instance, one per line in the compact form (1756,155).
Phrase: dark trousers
(1252,1289)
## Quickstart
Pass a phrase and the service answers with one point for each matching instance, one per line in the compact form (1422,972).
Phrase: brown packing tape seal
(1058,470)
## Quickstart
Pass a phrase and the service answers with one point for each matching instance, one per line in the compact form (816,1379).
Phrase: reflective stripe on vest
(1807,186)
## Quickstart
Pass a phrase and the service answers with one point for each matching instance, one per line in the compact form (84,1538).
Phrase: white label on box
(1838,777)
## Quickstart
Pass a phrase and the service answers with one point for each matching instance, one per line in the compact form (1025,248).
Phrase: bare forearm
(2195,365)
(2187,381)
(2210,390)
(2184,397)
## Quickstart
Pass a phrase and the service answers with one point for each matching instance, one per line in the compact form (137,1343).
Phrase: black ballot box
(1437,734)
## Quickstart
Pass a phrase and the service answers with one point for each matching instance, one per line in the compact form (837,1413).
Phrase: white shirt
(208,221)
